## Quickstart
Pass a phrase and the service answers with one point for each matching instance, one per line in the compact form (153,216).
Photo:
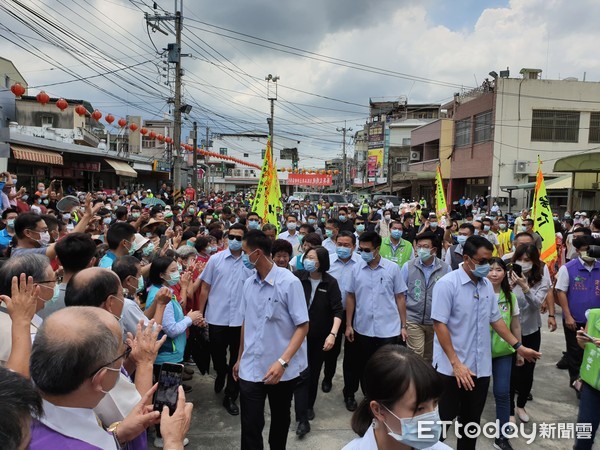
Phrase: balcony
(83,136)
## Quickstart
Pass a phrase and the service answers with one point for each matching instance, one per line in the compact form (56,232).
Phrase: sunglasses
(236,238)
(366,250)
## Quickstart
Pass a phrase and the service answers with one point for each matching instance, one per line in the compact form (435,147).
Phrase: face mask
(311,221)
(135,215)
(253,225)
(148,249)
(191,210)
(433,225)
(481,270)
(291,226)
(412,436)
(300,238)
(342,218)
(367,256)
(309,265)
(234,244)
(40,188)
(149,234)
(343,252)
(526,266)
(174,277)
(567,216)
(46,202)
(208,221)
(329,233)
(210,250)
(179,268)
(586,258)
(555,218)
(424,254)
(387,218)
(10,223)
(322,219)
(486,228)
(246,261)
(25,198)
(190,243)
(396,234)
(360,227)
(55,295)
(66,216)
(461,239)
(44,239)
(140,287)
(106,221)
(523,228)
(502,226)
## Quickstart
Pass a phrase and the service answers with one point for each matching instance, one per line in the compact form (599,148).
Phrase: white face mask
(526,266)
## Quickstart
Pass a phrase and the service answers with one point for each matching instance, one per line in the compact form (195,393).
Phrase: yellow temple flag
(440,199)
(268,193)
(543,223)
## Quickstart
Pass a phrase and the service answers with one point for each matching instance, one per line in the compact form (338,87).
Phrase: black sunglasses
(125,355)
(237,238)
(366,250)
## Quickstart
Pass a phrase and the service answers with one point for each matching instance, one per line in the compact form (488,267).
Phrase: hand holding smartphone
(169,381)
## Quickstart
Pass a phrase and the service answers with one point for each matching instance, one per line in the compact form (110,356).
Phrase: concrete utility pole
(206,146)
(195,158)
(271,96)
(344,160)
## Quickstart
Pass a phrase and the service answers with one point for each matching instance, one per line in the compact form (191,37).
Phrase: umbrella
(152,201)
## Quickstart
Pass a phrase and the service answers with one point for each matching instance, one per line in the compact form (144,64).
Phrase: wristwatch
(112,429)
(283,363)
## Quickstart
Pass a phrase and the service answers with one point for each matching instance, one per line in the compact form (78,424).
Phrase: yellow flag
(440,199)
(268,193)
(543,223)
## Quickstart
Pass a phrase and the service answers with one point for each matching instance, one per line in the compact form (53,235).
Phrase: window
(555,126)
(406,142)
(246,155)
(483,127)
(223,151)
(594,127)
(47,121)
(463,133)
(287,153)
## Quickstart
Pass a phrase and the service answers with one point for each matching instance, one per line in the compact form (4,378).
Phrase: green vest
(499,346)
(590,367)
(365,209)
(402,253)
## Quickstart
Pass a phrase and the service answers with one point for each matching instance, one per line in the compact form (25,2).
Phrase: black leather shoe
(350,403)
(219,383)
(530,397)
(326,386)
(303,429)
(310,414)
(562,363)
(230,406)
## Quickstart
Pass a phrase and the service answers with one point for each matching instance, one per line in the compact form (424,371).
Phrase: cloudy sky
(331,55)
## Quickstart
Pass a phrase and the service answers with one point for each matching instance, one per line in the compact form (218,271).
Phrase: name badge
(322,290)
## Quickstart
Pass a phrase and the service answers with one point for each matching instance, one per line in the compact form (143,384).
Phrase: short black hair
(253,214)
(75,251)
(7,211)
(238,226)
(372,237)
(26,221)
(586,231)
(121,213)
(281,245)
(126,266)
(334,222)
(258,239)
(313,239)
(474,243)
(51,221)
(343,208)
(309,228)
(94,291)
(322,257)
(468,226)
(119,232)
(428,236)
(583,241)
(201,243)
(346,233)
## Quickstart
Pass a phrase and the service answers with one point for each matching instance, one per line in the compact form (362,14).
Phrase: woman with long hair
(530,289)
(502,352)
(401,389)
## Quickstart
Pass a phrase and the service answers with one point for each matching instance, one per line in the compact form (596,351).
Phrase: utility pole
(195,159)
(344,160)
(271,96)
(206,146)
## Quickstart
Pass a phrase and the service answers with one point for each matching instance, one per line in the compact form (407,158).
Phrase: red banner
(308,179)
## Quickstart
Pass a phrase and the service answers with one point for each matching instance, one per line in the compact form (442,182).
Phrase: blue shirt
(291,238)
(467,310)
(376,311)
(329,245)
(107,260)
(226,275)
(342,272)
(272,310)
(5,238)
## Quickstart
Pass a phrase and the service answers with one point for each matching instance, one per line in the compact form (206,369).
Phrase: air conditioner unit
(415,155)
(521,167)
(595,185)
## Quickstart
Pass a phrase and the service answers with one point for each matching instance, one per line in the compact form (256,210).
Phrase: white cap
(577,213)
(148,190)
(583,213)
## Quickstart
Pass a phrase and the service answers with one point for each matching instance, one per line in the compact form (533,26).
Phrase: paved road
(554,402)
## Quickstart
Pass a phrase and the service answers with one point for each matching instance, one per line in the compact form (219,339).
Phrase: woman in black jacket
(324,302)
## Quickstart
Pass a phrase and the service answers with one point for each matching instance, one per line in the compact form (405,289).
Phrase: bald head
(92,287)
(70,345)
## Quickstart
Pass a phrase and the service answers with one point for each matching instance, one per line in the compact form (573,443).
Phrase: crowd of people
(100,290)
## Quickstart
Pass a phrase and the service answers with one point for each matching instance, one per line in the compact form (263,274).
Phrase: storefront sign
(298,179)
(85,166)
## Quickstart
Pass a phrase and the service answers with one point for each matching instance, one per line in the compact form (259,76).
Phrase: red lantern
(42,98)
(96,115)
(143,131)
(17,89)
(109,119)
(152,135)
(169,140)
(80,109)
(62,104)
(160,137)
(133,127)
(122,122)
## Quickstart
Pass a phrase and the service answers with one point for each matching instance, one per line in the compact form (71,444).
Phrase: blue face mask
(424,254)
(140,287)
(343,252)
(311,221)
(253,224)
(360,227)
(309,265)
(55,295)
(148,249)
(461,239)
(396,234)
(329,233)
(234,244)
(342,218)
(246,261)
(481,270)
(413,435)
(174,278)
(367,256)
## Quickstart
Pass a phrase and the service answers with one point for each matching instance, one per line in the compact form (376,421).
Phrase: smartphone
(169,381)
(516,268)
(163,241)
(586,335)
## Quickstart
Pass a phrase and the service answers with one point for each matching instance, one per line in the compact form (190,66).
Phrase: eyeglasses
(480,262)
(366,250)
(125,355)
(424,247)
(237,238)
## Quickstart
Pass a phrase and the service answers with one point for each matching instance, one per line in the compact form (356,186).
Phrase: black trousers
(363,348)
(521,378)
(468,405)
(574,352)
(331,356)
(307,388)
(252,403)
(221,339)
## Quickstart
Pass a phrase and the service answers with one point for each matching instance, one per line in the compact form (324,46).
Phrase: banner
(268,193)
(440,199)
(543,224)
(375,163)
(309,179)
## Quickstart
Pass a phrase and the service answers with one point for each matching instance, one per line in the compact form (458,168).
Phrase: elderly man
(75,361)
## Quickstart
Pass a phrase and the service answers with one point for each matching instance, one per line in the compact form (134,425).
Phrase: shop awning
(122,168)
(35,155)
